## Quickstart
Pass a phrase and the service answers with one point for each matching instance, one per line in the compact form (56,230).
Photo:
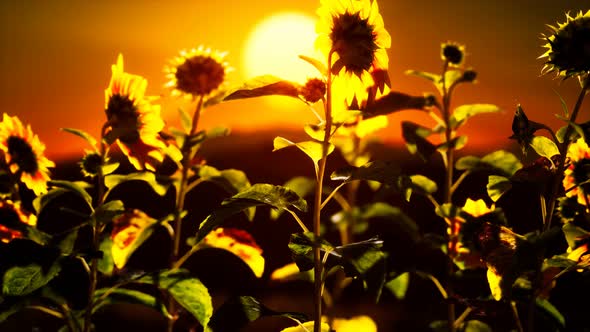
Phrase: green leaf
(188,291)
(185,120)
(231,180)
(380,171)
(475,326)
(501,162)
(106,263)
(360,259)
(244,310)
(113,180)
(550,309)
(416,142)
(434,78)
(497,186)
(301,185)
(319,65)
(81,133)
(218,131)
(544,147)
(23,280)
(307,327)
(462,113)
(265,85)
(41,201)
(399,285)
(573,234)
(105,213)
(76,187)
(66,244)
(423,185)
(109,168)
(108,296)
(456,143)
(577,133)
(395,102)
(313,149)
(277,197)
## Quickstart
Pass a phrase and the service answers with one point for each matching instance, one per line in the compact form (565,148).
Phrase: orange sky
(56,58)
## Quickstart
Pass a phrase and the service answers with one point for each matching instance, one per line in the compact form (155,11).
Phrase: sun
(274,45)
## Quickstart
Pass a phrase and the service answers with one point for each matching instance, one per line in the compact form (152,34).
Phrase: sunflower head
(197,72)
(133,121)
(453,53)
(12,220)
(23,153)
(352,31)
(568,46)
(91,164)
(578,171)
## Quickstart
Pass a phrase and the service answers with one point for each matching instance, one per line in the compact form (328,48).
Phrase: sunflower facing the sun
(23,154)
(354,31)
(199,72)
(133,122)
(568,46)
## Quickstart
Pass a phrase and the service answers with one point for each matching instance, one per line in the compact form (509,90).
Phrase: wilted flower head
(452,52)
(241,244)
(353,30)
(12,218)
(568,46)
(23,153)
(133,122)
(197,72)
(578,171)
(126,234)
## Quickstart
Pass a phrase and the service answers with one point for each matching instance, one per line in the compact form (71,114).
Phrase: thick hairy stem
(317,296)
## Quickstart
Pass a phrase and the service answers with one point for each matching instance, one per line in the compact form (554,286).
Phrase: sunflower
(132,119)
(199,72)
(568,46)
(353,30)
(12,218)
(23,153)
(452,52)
(578,171)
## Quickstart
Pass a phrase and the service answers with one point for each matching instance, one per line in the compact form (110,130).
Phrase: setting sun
(274,44)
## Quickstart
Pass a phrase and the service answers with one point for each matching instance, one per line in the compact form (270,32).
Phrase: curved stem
(299,221)
(331,195)
(317,298)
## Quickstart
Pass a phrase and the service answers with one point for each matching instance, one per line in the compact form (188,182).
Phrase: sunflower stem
(448,191)
(187,156)
(96,233)
(318,202)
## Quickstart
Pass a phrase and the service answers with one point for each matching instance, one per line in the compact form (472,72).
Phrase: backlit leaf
(244,310)
(307,327)
(81,133)
(497,186)
(551,310)
(319,65)
(259,194)
(399,285)
(313,149)
(301,185)
(422,184)
(265,85)
(462,113)
(106,296)
(416,142)
(501,162)
(77,187)
(544,147)
(113,180)
(395,102)
(188,291)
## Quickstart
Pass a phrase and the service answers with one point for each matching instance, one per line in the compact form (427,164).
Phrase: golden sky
(56,58)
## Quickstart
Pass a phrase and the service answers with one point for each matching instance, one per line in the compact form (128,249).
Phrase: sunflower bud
(90,164)
(313,90)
